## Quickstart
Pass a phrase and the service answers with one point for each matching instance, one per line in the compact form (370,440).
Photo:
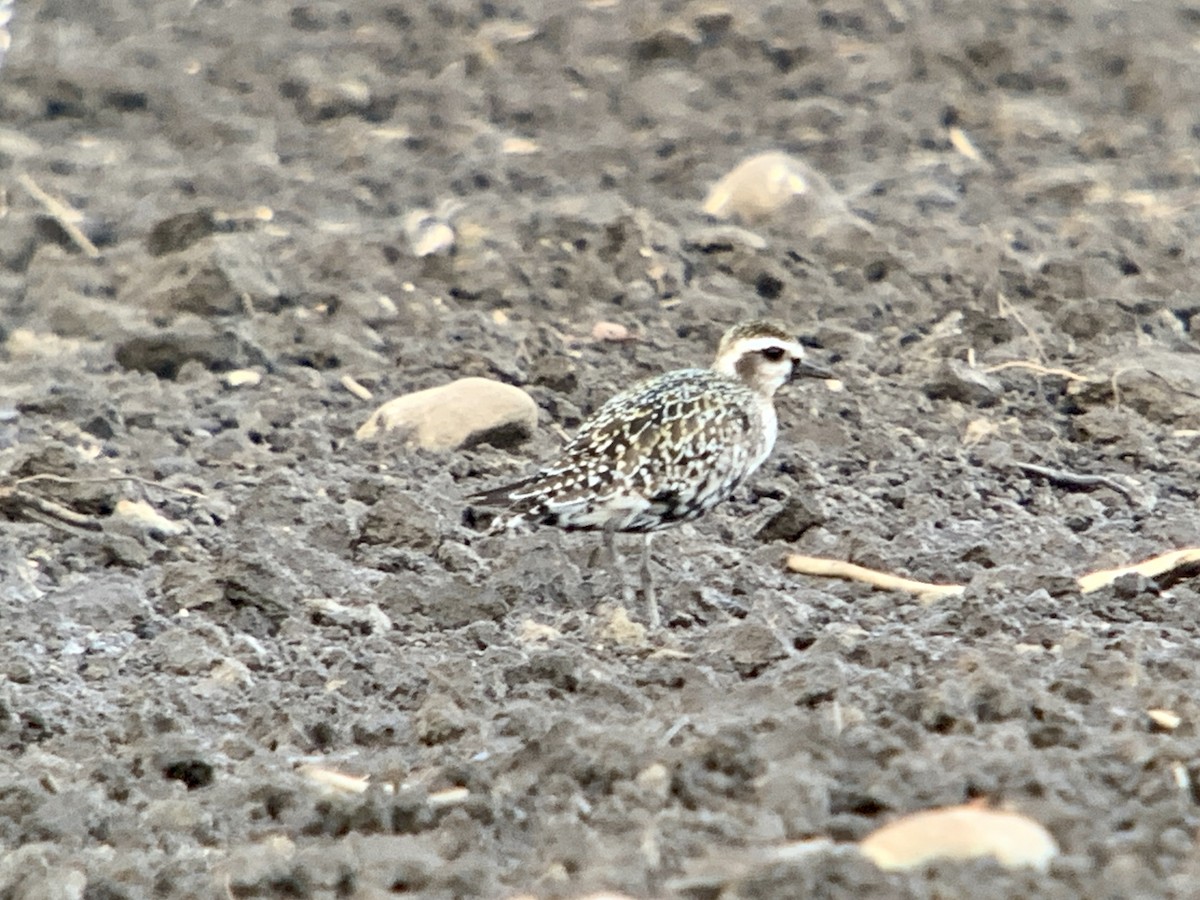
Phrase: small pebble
(609,331)
(147,517)
(243,378)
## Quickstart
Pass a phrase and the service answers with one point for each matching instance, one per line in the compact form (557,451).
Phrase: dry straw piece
(1164,719)
(960,832)
(334,781)
(1150,568)
(66,216)
(836,568)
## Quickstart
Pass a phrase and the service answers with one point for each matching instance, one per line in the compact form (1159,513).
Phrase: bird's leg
(648,584)
(610,547)
(615,564)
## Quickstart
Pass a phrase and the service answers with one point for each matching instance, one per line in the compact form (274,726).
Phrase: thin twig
(103,479)
(1076,479)
(356,388)
(1037,368)
(63,214)
(36,507)
(1007,309)
(1116,389)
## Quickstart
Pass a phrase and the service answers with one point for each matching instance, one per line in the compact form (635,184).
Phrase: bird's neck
(770,421)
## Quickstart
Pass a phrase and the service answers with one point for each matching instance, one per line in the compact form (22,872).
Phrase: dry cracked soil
(190,699)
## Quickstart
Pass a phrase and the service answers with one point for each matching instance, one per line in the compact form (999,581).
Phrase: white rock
(463,413)
(960,832)
(762,185)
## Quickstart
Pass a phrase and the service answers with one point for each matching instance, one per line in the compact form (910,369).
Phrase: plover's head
(764,356)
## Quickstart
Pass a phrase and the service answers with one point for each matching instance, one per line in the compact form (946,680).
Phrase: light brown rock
(762,185)
(960,832)
(461,414)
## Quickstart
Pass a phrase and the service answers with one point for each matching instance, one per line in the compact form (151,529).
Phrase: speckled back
(663,451)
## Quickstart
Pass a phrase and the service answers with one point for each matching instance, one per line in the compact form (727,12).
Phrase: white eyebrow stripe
(752,345)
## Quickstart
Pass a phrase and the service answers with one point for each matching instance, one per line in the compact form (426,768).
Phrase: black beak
(802,368)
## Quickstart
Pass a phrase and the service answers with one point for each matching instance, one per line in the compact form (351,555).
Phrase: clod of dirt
(455,416)
(956,380)
(1162,385)
(795,517)
(675,40)
(180,231)
(558,373)
(399,519)
(752,648)
(164,351)
(439,720)
(192,771)
(322,100)
(221,275)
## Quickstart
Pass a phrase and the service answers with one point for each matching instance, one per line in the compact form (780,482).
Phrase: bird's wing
(655,439)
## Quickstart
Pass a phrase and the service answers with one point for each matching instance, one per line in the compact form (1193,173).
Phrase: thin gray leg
(616,566)
(648,584)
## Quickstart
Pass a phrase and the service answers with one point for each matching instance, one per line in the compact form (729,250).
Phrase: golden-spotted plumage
(664,451)
(667,449)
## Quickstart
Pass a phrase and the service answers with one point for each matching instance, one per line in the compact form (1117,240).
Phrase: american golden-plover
(664,451)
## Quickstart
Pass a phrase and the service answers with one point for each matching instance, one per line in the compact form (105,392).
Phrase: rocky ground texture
(230,231)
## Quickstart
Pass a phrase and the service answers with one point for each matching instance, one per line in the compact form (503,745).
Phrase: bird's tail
(512,501)
(507,496)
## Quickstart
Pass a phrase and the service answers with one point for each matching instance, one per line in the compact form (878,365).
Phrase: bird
(664,451)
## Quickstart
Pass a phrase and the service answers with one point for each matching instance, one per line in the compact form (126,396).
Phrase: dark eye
(774,354)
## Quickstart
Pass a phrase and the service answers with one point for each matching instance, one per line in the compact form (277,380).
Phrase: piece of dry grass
(1037,369)
(836,568)
(333,781)
(66,216)
(1150,568)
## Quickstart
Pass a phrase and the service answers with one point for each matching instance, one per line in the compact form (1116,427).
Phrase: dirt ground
(1021,180)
